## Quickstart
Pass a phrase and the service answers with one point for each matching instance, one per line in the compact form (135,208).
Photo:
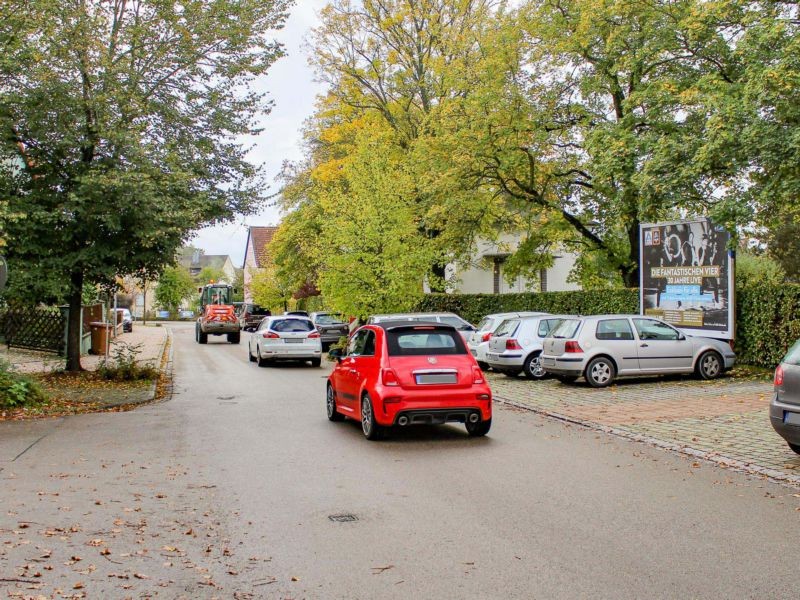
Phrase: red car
(408,373)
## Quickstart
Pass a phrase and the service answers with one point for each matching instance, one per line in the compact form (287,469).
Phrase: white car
(285,337)
(478,341)
(516,346)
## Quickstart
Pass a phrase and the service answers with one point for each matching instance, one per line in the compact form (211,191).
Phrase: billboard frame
(656,235)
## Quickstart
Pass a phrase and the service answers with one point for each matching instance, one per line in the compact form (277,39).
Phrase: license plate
(548,361)
(293,340)
(791,418)
(436,378)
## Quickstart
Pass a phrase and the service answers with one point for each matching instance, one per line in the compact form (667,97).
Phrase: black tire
(250,354)
(202,338)
(484,366)
(316,362)
(566,378)
(372,431)
(478,429)
(533,367)
(262,362)
(600,372)
(330,401)
(795,447)
(511,373)
(234,338)
(709,365)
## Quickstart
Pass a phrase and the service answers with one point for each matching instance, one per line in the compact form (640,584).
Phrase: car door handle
(643,345)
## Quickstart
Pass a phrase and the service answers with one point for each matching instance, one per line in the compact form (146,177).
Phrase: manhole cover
(342,518)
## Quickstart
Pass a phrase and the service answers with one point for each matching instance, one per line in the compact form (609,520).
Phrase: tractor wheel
(234,338)
(201,337)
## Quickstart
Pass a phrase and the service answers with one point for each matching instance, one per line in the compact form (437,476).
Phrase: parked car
(516,345)
(451,319)
(297,313)
(186,314)
(784,408)
(478,340)
(285,338)
(331,327)
(127,319)
(250,315)
(604,347)
(408,372)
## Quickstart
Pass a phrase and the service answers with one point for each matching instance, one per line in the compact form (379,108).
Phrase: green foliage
(17,390)
(767,322)
(269,291)
(209,274)
(752,268)
(174,286)
(123,365)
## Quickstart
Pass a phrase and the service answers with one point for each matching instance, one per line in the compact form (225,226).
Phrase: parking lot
(725,420)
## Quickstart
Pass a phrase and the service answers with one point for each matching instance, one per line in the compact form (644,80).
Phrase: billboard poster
(686,276)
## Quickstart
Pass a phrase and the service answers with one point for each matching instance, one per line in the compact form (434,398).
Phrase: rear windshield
(793,356)
(507,327)
(566,329)
(455,322)
(485,324)
(292,325)
(330,319)
(424,341)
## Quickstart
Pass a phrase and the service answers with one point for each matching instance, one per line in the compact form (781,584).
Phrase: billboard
(686,276)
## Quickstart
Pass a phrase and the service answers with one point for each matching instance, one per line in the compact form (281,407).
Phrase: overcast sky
(291,85)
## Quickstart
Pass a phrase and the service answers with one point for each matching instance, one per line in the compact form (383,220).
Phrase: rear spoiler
(418,326)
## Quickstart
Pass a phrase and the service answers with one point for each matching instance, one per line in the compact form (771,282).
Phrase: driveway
(725,420)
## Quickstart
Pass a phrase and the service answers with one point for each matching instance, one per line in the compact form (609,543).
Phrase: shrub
(17,390)
(124,365)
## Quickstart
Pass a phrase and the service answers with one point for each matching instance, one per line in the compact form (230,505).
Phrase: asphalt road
(227,490)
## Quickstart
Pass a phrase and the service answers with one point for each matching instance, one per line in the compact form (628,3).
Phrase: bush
(17,390)
(124,365)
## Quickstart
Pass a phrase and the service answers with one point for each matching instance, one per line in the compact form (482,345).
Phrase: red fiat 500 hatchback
(407,373)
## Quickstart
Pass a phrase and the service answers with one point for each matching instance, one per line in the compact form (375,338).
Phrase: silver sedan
(604,347)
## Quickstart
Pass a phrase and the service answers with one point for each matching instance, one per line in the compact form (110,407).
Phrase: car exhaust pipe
(402,421)
(474,417)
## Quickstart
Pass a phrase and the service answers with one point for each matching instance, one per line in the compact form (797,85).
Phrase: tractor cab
(219,294)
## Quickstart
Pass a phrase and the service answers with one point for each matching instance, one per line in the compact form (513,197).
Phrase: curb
(717,459)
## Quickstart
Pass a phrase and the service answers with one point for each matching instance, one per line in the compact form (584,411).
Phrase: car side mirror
(336,353)
(681,337)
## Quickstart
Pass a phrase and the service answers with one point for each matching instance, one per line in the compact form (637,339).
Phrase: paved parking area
(726,421)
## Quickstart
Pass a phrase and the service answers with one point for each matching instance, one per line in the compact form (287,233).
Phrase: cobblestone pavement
(726,421)
(149,341)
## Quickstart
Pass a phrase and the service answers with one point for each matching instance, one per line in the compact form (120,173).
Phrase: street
(228,490)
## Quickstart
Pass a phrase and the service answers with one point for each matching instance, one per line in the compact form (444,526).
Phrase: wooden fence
(34,328)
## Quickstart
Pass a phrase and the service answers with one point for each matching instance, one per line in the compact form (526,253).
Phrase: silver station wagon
(604,347)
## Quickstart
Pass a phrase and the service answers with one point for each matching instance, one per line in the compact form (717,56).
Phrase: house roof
(260,238)
(191,258)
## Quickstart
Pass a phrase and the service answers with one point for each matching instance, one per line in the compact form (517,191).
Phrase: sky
(290,83)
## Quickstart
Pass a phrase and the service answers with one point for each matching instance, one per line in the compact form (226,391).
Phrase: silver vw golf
(604,347)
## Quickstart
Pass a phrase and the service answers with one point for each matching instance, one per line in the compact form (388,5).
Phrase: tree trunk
(631,277)
(74,323)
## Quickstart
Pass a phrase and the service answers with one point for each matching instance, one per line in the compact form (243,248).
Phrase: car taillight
(269,335)
(389,377)
(313,334)
(572,346)
(486,337)
(779,375)
(477,375)
(513,345)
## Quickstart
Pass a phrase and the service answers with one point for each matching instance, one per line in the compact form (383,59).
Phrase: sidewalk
(725,421)
(151,340)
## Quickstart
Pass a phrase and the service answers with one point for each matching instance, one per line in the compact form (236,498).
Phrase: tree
(174,286)
(268,290)
(209,274)
(126,123)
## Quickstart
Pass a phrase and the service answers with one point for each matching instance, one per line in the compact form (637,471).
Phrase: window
(292,325)
(793,356)
(330,319)
(485,324)
(455,322)
(566,329)
(649,329)
(614,329)
(507,327)
(546,326)
(362,344)
(421,341)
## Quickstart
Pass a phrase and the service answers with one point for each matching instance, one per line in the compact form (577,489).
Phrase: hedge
(767,321)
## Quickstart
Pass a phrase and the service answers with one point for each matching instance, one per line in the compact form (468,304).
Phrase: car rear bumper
(433,406)
(288,352)
(778,414)
(479,351)
(560,365)
(331,338)
(220,327)
(505,361)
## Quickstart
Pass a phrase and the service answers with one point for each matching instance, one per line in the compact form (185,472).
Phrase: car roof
(618,316)
(511,315)
(401,323)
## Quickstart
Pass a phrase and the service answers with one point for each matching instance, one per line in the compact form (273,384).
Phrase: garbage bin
(100,332)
